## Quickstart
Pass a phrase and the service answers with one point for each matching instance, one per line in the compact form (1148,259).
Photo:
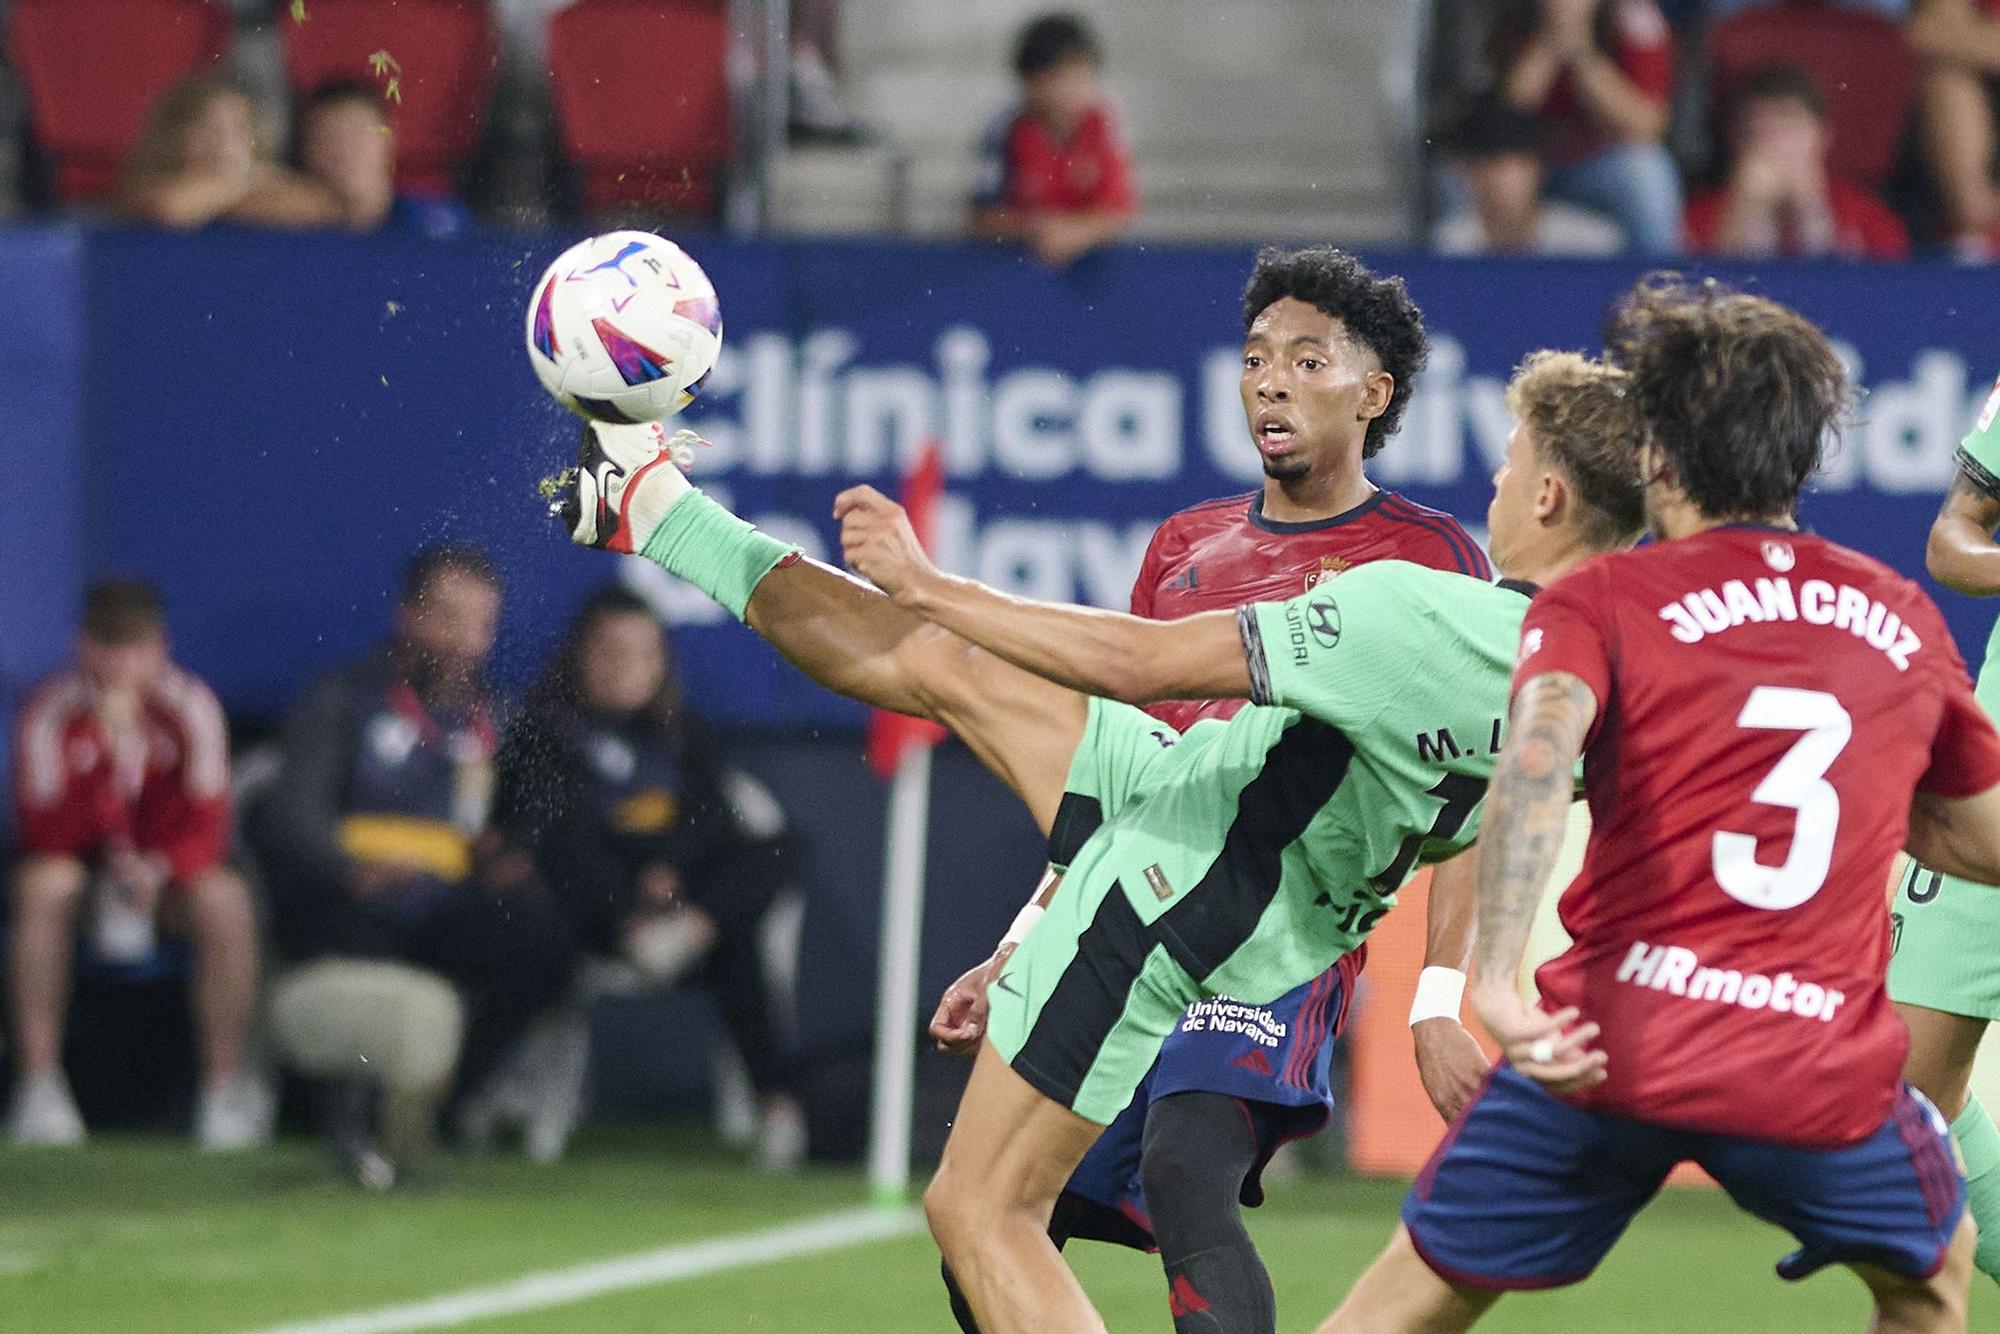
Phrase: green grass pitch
(144,1235)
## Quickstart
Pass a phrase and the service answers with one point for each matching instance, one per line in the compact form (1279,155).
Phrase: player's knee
(49,886)
(948,1211)
(1189,1185)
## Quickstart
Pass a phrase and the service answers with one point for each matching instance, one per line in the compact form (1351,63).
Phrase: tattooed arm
(1962,554)
(1527,812)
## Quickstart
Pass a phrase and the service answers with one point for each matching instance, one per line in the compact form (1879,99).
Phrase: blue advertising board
(269,424)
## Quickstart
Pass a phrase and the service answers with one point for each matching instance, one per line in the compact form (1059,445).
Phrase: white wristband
(1439,991)
(1024,922)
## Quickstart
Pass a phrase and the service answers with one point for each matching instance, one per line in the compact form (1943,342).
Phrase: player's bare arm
(1097,652)
(1961,553)
(1958,836)
(1527,813)
(1450,1062)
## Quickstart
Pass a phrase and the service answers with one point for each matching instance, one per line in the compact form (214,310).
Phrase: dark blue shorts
(1527,1191)
(1272,1058)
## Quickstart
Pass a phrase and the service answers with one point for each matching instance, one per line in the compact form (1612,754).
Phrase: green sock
(714,550)
(1979,1145)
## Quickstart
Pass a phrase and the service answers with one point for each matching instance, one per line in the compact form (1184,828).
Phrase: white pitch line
(561,1287)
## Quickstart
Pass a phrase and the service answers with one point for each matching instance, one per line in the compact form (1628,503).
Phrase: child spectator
(1599,74)
(121,796)
(1055,172)
(1496,152)
(1959,44)
(200,161)
(347,143)
(1779,198)
(643,834)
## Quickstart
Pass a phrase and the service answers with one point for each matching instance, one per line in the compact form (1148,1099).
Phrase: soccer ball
(624,327)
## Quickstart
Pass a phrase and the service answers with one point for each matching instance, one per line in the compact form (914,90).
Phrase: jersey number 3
(1798,781)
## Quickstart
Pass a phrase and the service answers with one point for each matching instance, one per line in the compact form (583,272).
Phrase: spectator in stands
(200,161)
(1599,75)
(368,838)
(1779,198)
(1054,171)
(1496,151)
(1959,43)
(121,793)
(347,142)
(662,857)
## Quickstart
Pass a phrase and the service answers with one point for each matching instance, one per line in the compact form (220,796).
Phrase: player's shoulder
(1442,529)
(56,698)
(185,695)
(1202,518)
(1424,589)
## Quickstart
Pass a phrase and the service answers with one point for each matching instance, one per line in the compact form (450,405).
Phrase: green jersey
(1946,929)
(1256,851)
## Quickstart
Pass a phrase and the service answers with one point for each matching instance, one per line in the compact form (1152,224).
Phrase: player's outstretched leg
(1198,1149)
(1011,1150)
(1942,1049)
(1934,1305)
(1400,1294)
(628,494)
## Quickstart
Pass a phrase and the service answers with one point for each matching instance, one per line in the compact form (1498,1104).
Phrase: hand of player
(1449,1062)
(1552,1049)
(960,1021)
(878,543)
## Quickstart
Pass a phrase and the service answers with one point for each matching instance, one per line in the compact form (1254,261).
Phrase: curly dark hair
(1376,312)
(1740,393)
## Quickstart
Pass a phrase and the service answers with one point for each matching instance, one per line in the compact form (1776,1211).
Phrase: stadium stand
(1860,60)
(78,117)
(642,102)
(444,54)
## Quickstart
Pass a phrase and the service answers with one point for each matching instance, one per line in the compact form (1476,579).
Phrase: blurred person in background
(347,142)
(1959,44)
(200,160)
(1598,74)
(1496,152)
(1054,171)
(655,851)
(1779,197)
(121,796)
(368,836)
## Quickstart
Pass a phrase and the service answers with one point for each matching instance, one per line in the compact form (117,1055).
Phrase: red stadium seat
(92,70)
(445,59)
(1859,60)
(642,101)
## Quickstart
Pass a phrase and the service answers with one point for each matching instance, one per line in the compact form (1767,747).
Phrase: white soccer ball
(624,327)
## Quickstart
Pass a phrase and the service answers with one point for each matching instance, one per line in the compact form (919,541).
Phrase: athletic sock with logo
(1199,1147)
(715,551)
(1979,1144)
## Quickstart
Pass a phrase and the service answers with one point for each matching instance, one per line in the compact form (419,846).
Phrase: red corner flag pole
(899,751)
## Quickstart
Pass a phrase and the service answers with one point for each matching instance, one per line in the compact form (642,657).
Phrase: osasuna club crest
(1780,556)
(1329,566)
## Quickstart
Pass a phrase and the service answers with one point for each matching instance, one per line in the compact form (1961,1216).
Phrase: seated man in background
(1496,151)
(121,795)
(1779,198)
(368,836)
(201,160)
(648,843)
(347,142)
(1959,44)
(1054,172)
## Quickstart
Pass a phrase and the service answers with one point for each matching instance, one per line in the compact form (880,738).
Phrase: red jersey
(1224,553)
(168,793)
(1023,166)
(1863,226)
(1768,702)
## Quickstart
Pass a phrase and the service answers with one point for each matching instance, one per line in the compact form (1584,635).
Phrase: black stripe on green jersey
(1077,818)
(1089,998)
(1253,653)
(1301,773)
(1977,473)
